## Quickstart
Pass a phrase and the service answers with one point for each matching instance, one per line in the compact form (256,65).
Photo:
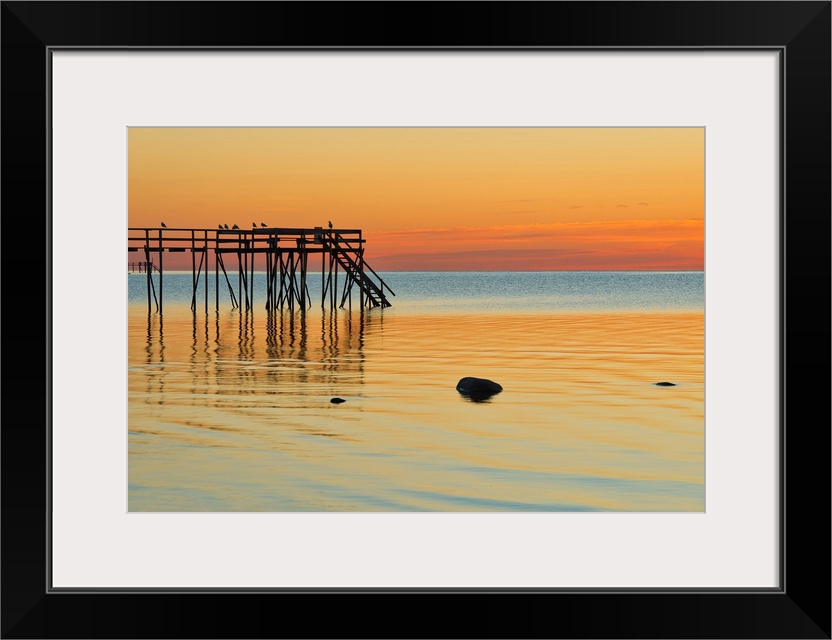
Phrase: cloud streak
(628,244)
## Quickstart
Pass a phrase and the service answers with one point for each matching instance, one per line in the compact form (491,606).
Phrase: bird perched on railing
(225,226)
(253,225)
(235,227)
(219,226)
(164,225)
(330,224)
(262,224)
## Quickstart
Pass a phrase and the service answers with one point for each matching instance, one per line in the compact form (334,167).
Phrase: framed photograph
(455,250)
(503,314)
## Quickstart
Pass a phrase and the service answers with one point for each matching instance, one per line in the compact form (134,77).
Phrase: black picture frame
(800,608)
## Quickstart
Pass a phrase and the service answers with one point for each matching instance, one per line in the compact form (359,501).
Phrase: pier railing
(283,253)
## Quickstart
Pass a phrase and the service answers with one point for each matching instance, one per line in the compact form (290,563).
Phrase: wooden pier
(284,255)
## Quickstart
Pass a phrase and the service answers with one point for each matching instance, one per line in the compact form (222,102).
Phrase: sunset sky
(440,198)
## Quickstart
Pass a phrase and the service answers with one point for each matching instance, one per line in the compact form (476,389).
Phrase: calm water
(231,411)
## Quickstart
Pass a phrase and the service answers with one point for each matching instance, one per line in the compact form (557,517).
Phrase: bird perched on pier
(164,225)
(253,225)
(235,227)
(330,224)
(225,226)
(219,226)
(262,224)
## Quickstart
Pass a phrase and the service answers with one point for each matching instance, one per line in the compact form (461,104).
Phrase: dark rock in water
(337,400)
(477,384)
(478,388)
(665,384)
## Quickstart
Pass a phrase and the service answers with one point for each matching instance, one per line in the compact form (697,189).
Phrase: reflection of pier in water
(285,258)
(233,361)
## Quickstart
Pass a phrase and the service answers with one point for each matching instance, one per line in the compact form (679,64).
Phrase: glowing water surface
(231,411)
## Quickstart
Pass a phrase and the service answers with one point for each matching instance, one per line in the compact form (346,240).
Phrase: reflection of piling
(286,260)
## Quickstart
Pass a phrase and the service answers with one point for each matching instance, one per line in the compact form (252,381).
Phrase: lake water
(230,411)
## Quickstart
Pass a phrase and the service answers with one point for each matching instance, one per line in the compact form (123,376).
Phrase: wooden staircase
(351,261)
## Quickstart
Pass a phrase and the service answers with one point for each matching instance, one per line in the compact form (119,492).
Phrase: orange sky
(440,198)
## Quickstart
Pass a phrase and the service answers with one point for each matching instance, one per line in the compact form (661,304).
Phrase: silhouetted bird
(164,225)
(219,226)
(235,227)
(330,224)
(262,224)
(225,226)
(254,225)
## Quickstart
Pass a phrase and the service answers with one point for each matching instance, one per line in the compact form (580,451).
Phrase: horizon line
(498,271)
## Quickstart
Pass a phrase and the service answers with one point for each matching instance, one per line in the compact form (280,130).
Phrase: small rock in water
(337,400)
(665,384)
(478,388)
